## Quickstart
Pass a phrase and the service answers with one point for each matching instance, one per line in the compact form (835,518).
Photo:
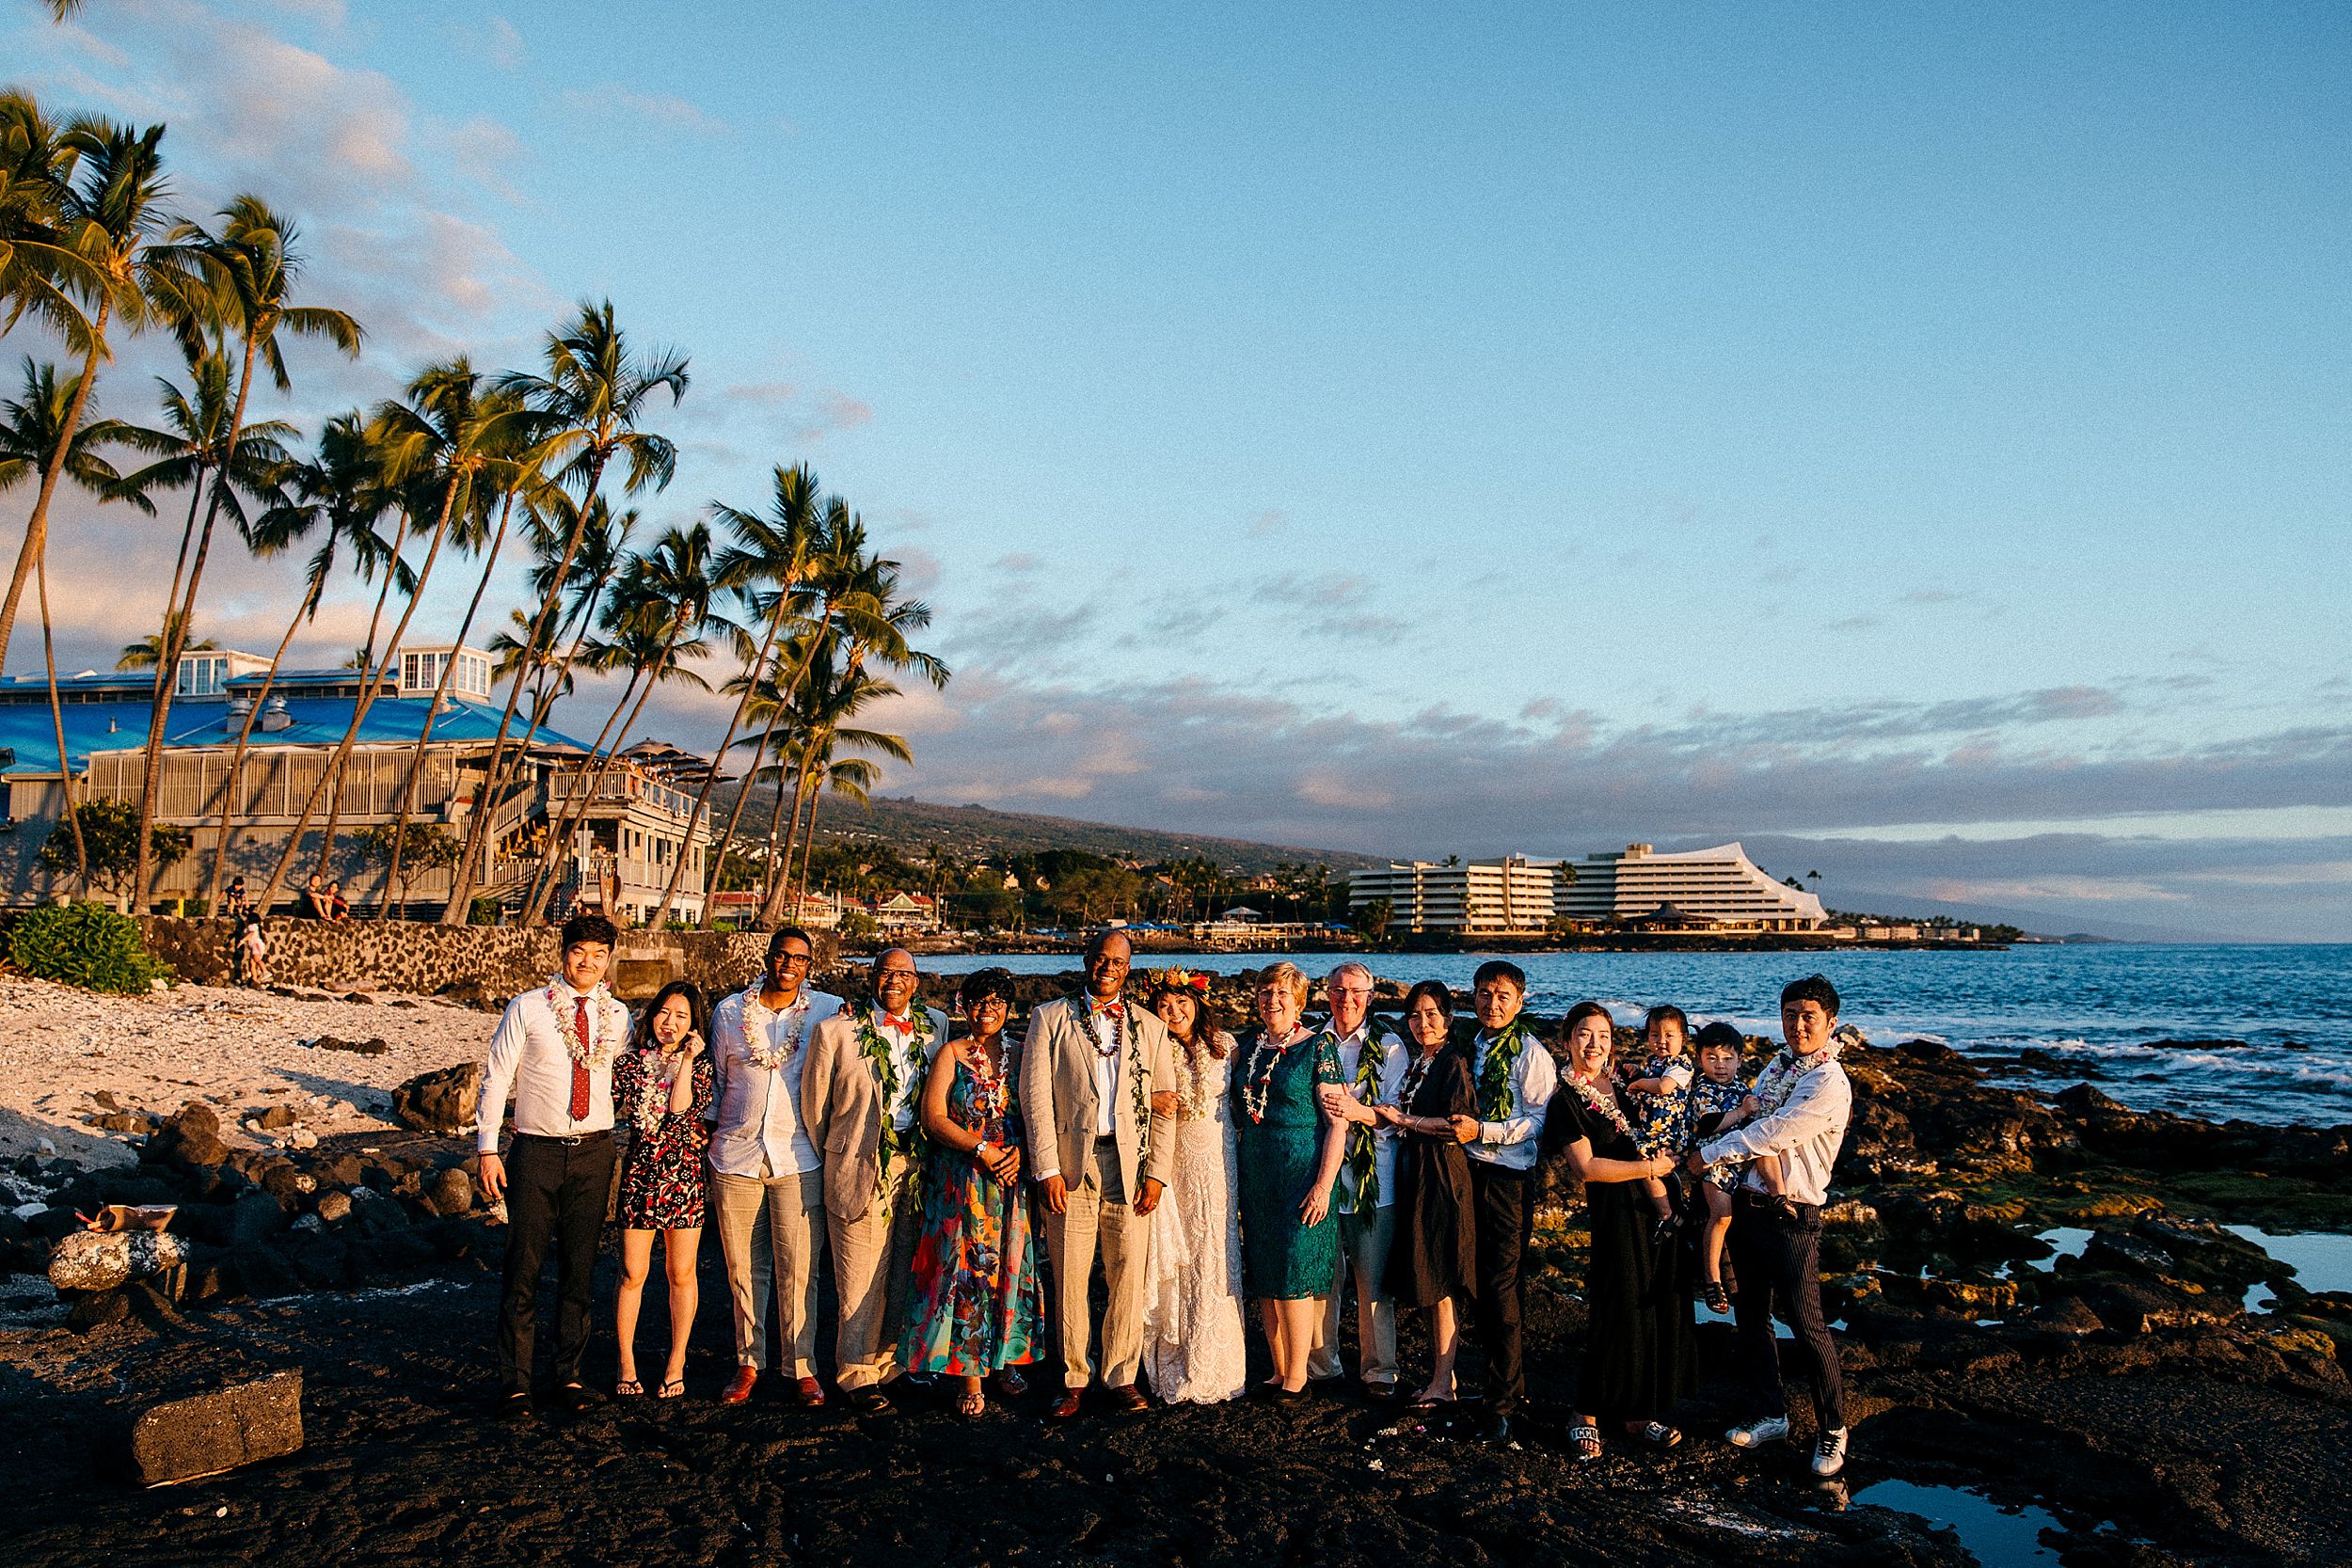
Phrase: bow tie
(892,1020)
(1110,1009)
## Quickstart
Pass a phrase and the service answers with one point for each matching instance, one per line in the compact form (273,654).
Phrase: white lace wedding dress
(1194,1349)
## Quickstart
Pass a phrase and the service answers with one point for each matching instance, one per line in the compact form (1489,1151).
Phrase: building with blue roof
(619,856)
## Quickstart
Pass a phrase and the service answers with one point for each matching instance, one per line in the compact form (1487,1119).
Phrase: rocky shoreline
(2116,1381)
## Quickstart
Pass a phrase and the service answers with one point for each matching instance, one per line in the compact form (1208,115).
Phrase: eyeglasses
(792,960)
(895,974)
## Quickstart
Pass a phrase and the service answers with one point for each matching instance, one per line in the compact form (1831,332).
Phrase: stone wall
(482,964)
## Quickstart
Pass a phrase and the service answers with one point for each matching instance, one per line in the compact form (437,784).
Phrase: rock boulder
(209,1433)
(442,1102)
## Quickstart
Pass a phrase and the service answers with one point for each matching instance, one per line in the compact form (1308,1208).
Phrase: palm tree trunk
(720,844)
(808,840)
(702,796)
(30,554)
(176,632)
(780,872)
(244,739)
(579,814)
(56,725)
(440,691)
(561,827)
(367,682)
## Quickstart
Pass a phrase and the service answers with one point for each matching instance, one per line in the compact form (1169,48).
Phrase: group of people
(969,1186)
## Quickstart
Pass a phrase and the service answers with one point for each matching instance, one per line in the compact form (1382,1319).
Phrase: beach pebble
(334,1206)
(302,1137)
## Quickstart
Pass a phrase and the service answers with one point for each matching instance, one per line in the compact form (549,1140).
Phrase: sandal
(675,1389)
(1717,1301)
(971,1405)
(1658,1434)
(1429,1398)
(1587,1441)
(629,1388)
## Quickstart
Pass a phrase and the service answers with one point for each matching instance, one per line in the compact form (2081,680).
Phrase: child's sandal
(1587,1443)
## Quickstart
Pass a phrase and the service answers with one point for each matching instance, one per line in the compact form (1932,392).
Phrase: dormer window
(204,674)
(421,672)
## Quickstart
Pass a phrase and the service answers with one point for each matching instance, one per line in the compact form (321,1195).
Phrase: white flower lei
(595,1052)
(1257,1084)
(759,1044)
(653,1094)
(1604,1104)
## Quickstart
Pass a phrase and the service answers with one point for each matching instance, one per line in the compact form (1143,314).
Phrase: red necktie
(580,1069)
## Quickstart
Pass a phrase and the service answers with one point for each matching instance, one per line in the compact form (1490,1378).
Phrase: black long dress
(1435,1254)
(1640,1355)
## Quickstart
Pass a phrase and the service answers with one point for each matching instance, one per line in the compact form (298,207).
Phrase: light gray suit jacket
(1057,1098)
(841,1106)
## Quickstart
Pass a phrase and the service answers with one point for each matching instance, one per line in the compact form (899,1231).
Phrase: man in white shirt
(1512,1079)
(553,1051)
(1372,1059)
(1775,1246)
(858,1100)
(767,1182)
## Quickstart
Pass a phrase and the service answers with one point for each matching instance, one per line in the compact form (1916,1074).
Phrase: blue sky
(1917,433)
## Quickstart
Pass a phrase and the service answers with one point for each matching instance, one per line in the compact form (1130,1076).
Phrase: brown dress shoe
(1065,1406)
(812,1394)
(741,1390)
(1128,1398)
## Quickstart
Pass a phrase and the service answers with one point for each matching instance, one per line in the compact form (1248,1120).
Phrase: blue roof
(110,726)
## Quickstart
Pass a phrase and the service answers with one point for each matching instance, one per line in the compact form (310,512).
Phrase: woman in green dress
(1290,1154)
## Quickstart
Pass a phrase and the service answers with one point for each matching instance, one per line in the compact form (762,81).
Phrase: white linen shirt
(913,1064)
(1394,1060)
(1803,1134)
(1109,1032)
(527,1059)
(756,1125)
(1512,1142)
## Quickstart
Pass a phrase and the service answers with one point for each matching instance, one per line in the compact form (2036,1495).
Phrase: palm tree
(341,487)
(37,268)
(825,706)
(658,614)
(596,389)
(771,552)
(32,428)
(250,267)
(148,651)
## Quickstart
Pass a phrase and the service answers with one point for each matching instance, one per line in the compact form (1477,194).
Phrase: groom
(1099,1094)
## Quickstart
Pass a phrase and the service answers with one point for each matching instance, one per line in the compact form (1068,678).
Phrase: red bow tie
(1115,1009)
(896,1023)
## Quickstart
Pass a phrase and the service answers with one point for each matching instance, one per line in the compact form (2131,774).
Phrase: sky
(1910,441)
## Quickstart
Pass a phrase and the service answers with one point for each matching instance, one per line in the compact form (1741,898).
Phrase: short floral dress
(662,1176)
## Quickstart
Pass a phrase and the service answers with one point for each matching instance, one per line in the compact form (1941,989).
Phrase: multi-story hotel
(1718,887)
(1513,894)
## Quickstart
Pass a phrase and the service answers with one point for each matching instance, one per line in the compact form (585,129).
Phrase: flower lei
(1494,1073)
(597,1049)
(1362,1162)
(1602,1104)
(884,1061)
(1786,1070)
(991,1096)
(1191,1089)
(1257,1082)
(1415,1074)
(653,1091)
(757,1043)
(1083,1008)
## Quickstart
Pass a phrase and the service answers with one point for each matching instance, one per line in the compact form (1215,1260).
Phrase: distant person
(860,1097)
(1658,1093)
(1434,1262)
(1640,1355)
(314,902)
(337,907)
(1291,1151)
(234,903)
(767,1176)
(1804,1103)
(251,952)
(978,1307)
(553,1050)
(663,1085)
(1098,1095)
(1372,1058)
(1512,1079)
(1196,1349)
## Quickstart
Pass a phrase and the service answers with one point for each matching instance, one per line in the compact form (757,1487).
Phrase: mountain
(972,833)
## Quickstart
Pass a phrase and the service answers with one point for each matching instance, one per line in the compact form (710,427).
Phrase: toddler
(1661,1097)
(1720,1100)
(252,951)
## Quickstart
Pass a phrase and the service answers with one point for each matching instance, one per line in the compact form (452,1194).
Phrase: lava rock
(254,1216)
(190,1138)
(334,1206)
(2111,1249)
(210,1433)
(264,1272)
(96,1261)
(2067,1315)
(442,1102)
(274,1117)
(450,1192)
(375,1213)
(97,1311)
(371,1047)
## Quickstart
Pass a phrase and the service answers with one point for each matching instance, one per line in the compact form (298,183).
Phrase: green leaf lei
(1081,1007)
(876,1049)
(1363,1164)
(1494,1073)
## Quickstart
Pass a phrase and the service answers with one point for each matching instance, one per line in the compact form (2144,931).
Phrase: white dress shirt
(912,1064)
(1107,1032)
(1803,1133)
(1395,1058)
(527,1058)
(756,1125)
(1512,1141)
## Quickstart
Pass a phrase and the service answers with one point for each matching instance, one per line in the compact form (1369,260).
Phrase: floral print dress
(662,1176)
(978,1303)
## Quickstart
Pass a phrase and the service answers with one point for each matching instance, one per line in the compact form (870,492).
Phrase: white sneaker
(1772,1428)
(1829,1452)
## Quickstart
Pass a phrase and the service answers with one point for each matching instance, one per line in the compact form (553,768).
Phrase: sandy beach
(243,1052)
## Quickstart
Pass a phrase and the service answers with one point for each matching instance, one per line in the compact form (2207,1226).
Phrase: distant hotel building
(1718,887)
(1513,894)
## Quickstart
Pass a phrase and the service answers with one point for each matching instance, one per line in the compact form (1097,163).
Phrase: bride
(1193,1345)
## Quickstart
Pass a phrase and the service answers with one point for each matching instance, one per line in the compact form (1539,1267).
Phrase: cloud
(787,411)
(658,111)
(496,41)
(1271,520)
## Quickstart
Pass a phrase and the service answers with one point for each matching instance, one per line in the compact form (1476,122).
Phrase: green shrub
(484,911)
(83,944)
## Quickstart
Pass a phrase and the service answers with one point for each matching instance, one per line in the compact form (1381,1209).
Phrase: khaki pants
(1364,1252)
(772,1238)
(1097,1219)
(873,1263)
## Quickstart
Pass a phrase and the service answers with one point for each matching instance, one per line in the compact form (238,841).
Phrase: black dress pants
(1505,1217)
(555,1192)
(1778,1262)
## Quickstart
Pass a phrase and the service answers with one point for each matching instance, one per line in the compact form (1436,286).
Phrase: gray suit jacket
(841,1106)
(1058,1097)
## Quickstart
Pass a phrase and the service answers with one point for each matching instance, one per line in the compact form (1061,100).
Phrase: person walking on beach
(1803,1104)
(553,1051)
(767,1180)
(1372,1058)
(859,1097)
(1099,1095)
(1512,1078)
(662,1085)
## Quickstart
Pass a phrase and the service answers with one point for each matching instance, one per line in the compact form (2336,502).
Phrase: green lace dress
(1282,1144)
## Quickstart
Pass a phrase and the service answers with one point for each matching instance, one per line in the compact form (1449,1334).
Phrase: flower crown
(1179,979)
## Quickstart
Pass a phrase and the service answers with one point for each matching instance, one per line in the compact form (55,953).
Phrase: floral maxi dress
(978,1303)
(662,1176)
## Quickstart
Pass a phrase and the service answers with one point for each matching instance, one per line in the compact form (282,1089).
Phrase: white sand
(238,1050)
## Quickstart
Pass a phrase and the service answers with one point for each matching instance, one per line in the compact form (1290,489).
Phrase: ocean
(2101,1006)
